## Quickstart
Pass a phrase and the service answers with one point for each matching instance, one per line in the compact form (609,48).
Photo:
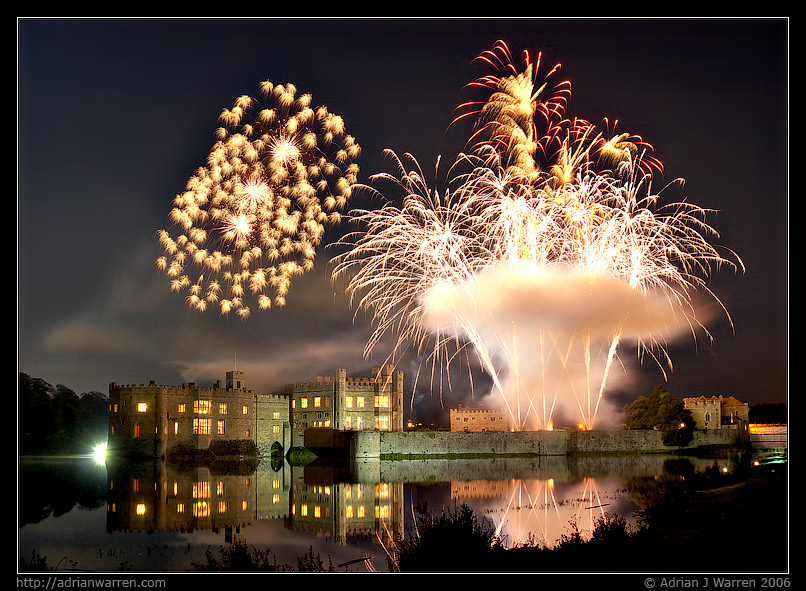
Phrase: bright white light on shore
(99,453)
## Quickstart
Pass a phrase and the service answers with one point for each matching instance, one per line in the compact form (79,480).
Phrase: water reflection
(360,507)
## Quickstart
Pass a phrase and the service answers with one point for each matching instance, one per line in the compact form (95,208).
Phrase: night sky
(115,115)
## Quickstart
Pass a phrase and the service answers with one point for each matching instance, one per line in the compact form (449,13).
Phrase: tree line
(56,420)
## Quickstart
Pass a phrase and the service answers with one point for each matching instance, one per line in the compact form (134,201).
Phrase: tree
(37,419)
(660,410)
(663,412)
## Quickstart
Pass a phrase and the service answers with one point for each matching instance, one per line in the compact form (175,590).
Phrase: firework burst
(252,217)
(543,269)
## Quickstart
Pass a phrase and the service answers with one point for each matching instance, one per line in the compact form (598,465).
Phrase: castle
(343,403)
(149,420)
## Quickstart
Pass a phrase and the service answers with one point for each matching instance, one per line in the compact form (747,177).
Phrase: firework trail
(543,270)
(251,218)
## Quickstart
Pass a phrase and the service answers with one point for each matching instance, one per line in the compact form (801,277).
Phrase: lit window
(141,509)
(183,407)
(142,407)
(360,402)
(244,410)
(275,414)
(201,509)
(317,401)
(176,427)
(275,429)
(220,426)
(383,401)
(137,430)
(349,402)
(201,426)
(201,490)
(303,402)
(222,408)
(202,407)
(222,506)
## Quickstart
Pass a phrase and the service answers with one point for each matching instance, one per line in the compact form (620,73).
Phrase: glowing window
(182,407)
(201,509)
(317,401)
(202,407)
(220,426)
(275,429)
(142,407)
(244,409)
(201,490)
(360,402)
(222,408)
(201,426)
(303,402)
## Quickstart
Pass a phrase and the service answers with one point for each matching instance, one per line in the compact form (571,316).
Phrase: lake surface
(155,517)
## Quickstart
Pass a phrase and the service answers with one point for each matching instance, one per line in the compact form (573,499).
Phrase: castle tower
(235,380)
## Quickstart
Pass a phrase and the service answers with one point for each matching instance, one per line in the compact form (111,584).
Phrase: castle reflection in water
(356,502)
(158,496)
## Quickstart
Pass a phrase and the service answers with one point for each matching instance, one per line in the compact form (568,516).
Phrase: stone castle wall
(369,444)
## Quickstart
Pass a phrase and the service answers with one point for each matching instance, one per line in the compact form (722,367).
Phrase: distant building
(478,419)
(344,403)
(718,412)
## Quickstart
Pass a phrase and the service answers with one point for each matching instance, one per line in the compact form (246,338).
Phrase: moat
(155,517)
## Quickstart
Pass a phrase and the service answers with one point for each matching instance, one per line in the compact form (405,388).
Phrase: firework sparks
(544,270)
(252,217)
